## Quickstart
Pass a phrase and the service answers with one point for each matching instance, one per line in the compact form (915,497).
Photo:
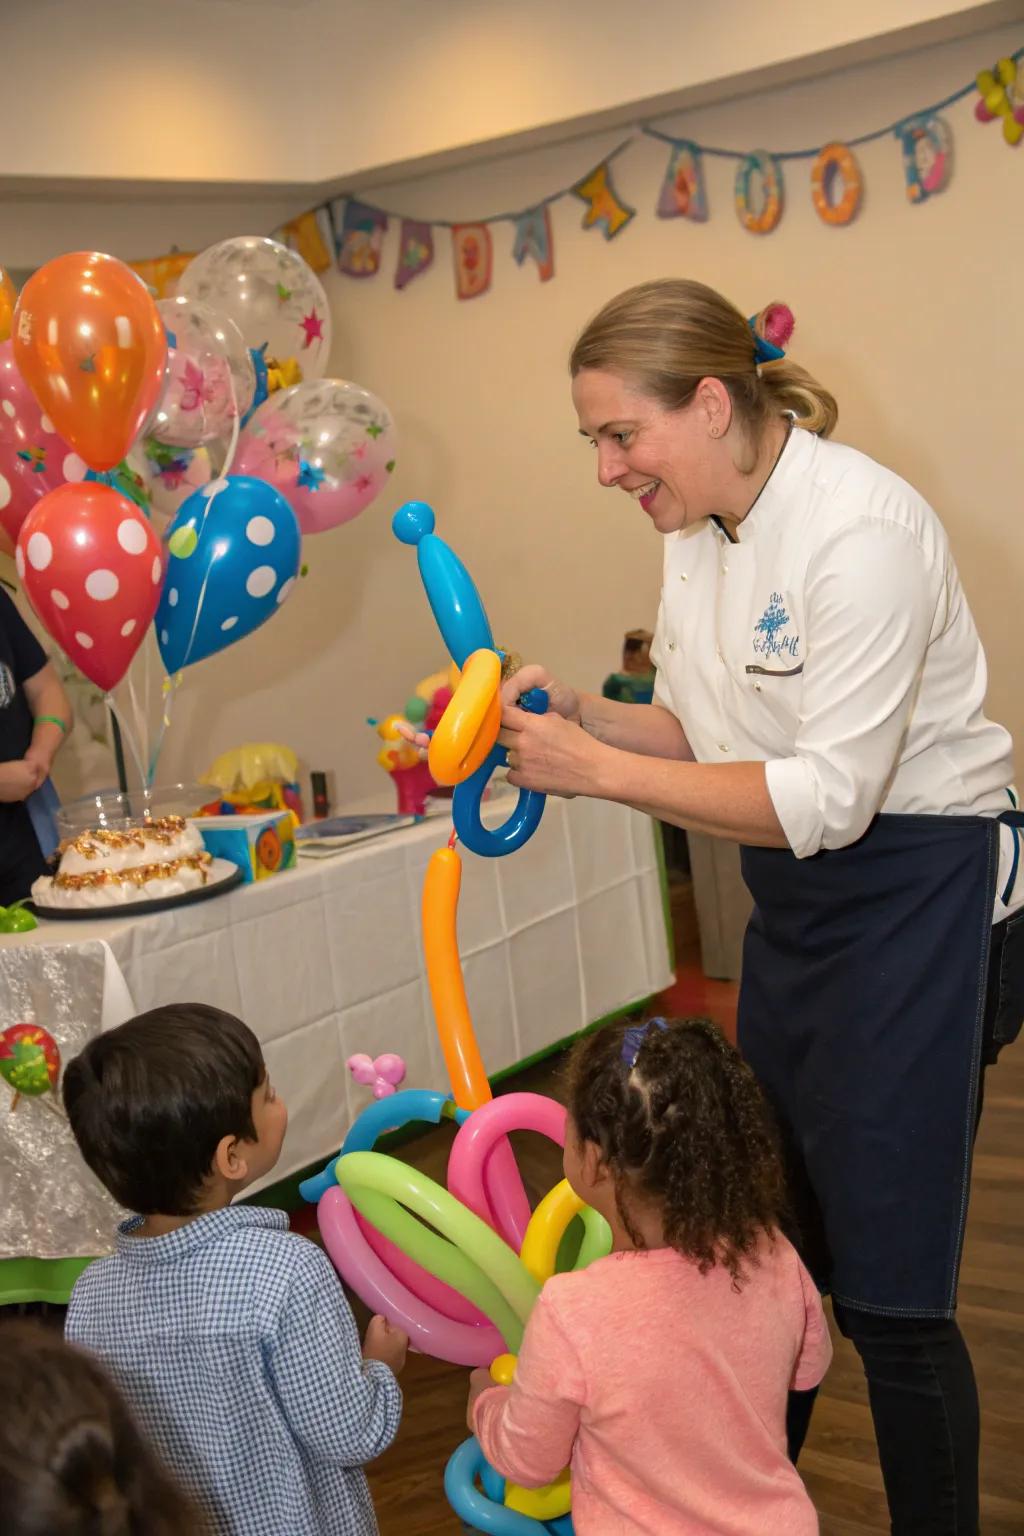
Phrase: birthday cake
(109,867)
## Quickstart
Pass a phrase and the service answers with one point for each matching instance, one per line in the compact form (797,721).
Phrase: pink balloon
(429,1331)
(327,445)
(478,1173)
(508,1207)
(32,454)
(423,1285)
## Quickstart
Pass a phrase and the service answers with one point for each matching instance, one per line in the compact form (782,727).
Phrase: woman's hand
(551,754)
(19,779)
(562,699)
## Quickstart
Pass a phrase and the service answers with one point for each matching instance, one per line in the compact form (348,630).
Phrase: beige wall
(259,91)
(911,315)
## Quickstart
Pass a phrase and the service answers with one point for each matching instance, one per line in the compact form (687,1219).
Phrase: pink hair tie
(772,328)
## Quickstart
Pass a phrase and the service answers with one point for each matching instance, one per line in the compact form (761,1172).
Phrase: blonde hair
(666,336)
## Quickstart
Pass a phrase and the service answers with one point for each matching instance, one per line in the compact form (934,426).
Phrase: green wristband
(51,720)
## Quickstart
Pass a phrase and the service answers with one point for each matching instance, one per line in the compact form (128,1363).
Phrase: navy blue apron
(861,1010)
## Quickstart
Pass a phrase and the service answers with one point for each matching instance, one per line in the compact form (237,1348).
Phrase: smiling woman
(819,699)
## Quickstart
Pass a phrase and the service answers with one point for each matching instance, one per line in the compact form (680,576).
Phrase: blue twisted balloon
(462,620)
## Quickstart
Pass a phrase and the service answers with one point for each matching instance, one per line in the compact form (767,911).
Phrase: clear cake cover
(122,810)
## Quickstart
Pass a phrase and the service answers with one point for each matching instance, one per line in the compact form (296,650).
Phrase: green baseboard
(48,1280)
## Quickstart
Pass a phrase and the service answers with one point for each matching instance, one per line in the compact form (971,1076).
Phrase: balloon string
(221,485)
(128,735)
(236,427)
(140,719)
(147,699)
(170,688)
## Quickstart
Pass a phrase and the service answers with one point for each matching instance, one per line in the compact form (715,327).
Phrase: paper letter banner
(360,240)
(471,251)
(683,195)
(415,251)
(308,236)
(927,156)
(605,209)
(533,238)
(162,272)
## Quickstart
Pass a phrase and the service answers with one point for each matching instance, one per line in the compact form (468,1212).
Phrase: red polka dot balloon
(92,568)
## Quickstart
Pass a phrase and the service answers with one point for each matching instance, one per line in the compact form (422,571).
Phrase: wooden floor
(839,1462)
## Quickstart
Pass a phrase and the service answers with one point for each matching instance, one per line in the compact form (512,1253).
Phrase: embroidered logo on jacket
(770,639)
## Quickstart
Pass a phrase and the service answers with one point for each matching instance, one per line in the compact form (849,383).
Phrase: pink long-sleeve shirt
(666,1390)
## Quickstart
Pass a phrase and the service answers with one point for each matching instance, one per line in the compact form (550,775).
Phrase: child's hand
(385,1343)
(479,1381)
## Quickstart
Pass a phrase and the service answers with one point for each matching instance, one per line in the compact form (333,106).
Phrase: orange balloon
(466,1074)
(469,727)
(90,344)
(8,299)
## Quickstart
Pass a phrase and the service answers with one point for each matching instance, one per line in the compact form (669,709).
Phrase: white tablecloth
(325,960)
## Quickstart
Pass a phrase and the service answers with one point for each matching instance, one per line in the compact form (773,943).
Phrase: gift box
(259,845)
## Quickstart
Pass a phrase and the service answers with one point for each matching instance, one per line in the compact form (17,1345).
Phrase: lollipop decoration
(464,750)
(29,1061)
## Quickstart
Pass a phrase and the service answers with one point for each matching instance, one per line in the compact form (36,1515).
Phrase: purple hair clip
(634,1038)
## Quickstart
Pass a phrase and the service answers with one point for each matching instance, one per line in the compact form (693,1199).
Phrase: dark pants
(924,1403)
(921,1387)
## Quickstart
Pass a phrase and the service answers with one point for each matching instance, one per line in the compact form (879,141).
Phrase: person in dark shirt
(35,718)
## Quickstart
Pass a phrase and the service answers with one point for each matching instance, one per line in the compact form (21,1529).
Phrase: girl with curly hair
(662,1372)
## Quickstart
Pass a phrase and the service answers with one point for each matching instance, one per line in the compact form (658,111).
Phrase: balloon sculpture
(458,1267)
(464,749)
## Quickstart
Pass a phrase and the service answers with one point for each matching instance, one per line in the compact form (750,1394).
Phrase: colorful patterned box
(259,845)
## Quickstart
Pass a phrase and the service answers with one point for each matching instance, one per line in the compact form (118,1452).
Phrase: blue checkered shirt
(236,1347)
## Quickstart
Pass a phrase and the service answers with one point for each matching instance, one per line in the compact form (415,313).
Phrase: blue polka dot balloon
(233,557)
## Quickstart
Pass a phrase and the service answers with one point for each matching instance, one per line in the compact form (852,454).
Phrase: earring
(714,431)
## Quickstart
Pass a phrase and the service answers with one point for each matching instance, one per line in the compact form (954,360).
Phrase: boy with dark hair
(230,1336)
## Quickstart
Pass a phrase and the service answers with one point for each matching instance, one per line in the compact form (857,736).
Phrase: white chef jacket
(834,644)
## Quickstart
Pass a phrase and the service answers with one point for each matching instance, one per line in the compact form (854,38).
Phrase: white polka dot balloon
(86,556)
(233,555)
